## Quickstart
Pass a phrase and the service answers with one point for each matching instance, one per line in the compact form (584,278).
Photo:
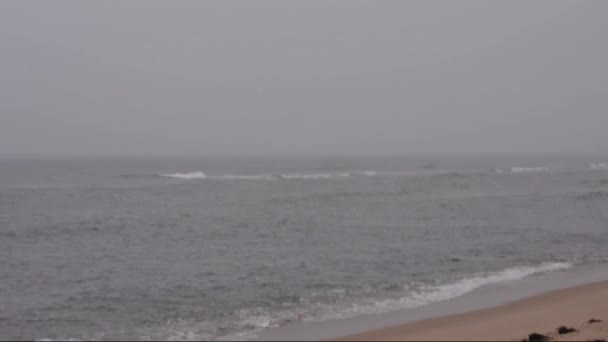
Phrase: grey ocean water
(220,248)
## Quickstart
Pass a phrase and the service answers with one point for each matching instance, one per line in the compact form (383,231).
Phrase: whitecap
(598,166)
(435,293)
(527,169)
(518,169)
(305,176)
(246,177)
(250,322)
(186,176)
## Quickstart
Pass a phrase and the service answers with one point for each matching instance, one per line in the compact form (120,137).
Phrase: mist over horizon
(194,78)
(303,156)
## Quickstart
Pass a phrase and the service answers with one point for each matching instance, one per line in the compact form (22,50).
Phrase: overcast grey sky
(255,77)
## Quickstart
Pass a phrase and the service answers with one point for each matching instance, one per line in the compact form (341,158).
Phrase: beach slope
(543,314)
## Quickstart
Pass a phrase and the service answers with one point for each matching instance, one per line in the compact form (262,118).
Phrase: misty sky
(314,77)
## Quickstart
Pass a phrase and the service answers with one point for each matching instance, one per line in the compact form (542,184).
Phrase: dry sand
(572,307)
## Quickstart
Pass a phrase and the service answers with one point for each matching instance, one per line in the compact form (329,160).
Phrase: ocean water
(221,248)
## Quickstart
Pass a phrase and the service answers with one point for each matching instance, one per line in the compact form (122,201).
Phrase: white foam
(518,169)
(187,176)
(311,176)
(365,173)
(436,293)
(528,169)
(327,175)
(251,322)
(598,166)
(246,177)
(305,176)
(459,288)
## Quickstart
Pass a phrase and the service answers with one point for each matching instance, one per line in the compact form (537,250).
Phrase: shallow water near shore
(484,297)
(228,248)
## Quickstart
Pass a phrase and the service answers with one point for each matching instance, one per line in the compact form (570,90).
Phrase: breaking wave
(365,173)
(250,322)
(436,293)
(285,176)
(327,175)
(522,170)
(246,177)
(305,176)
(598,166)
(187,176)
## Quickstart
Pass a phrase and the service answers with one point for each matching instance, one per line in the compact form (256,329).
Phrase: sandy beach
(543,314)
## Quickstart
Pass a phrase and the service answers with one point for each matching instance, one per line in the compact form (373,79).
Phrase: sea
(224,248)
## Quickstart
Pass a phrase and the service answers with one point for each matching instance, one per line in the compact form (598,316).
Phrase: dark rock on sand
(565,330)
(594,320)
(537,337)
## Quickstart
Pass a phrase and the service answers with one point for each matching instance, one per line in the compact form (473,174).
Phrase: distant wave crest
(366,173)
(518,169)
(598,166)
(305,176)
(285,176)
(246,177)
(187,176)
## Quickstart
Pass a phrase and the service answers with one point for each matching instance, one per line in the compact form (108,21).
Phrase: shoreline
(572,307)
(486,297)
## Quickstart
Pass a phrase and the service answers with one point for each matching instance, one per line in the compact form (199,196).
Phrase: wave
(522,170)
(365,173)
(436,293)
(459,288)
(247,324)
(305,176)
(186,176)
(598,166)
(327,175)
(285,176)
(245,177)
(251,322)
